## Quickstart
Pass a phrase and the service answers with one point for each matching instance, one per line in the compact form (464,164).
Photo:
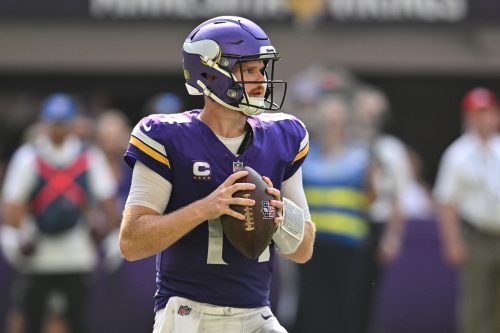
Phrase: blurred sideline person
(336,182)
(308,86)
(184,171)
(83,127)
(306,90)
(112,133)
(468,191)
(112,136)
(9,246)
(9,243)
(49,185)
(415,201)
(163,103)
(390,175)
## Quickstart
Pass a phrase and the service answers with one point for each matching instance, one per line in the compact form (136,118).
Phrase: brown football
(253,235)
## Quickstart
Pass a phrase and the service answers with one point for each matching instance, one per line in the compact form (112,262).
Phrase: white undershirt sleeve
(148,189)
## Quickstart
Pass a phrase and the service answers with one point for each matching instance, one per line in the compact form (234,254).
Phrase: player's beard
(256,103)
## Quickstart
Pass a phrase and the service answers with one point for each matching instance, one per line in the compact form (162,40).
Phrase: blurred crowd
(63,192)
(363,186)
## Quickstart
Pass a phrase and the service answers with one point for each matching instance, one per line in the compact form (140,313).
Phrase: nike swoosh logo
(266,317)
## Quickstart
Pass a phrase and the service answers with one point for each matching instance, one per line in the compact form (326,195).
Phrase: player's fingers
(268,181)
(240,187)
(234,177)
(278,204)
(241,202)
(274,192)
(234,214)
(271,190)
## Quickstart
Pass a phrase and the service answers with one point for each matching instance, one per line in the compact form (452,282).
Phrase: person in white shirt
(389,177)
(49,186)
(468,192)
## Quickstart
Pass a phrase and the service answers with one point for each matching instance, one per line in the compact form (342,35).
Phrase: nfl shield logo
(268,211)
(184,310)
(237,166)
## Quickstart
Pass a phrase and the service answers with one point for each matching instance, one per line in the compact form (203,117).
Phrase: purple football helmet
(211,52)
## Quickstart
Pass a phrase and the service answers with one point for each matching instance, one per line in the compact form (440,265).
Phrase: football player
(184,171)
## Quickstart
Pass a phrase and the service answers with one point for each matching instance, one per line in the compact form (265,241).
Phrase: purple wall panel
(417,293)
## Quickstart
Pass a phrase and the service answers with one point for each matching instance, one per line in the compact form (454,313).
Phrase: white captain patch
(201,171)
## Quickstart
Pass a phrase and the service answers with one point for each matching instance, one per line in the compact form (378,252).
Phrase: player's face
(252,71)
(485,122)
(58,132)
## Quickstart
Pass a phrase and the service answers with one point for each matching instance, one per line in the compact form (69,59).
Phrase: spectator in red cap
(479,98)
(480,109)
(468,191)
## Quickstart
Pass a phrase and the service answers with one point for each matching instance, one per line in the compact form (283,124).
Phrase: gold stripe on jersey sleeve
(301,153)
(149,151)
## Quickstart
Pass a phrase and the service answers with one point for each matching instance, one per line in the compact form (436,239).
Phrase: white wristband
(290,231)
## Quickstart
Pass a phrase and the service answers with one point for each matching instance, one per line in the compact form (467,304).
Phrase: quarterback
(185,168)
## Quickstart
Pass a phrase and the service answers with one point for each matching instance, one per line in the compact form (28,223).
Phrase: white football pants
(182,315)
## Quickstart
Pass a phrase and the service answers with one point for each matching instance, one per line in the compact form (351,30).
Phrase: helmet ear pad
(217,82)
(221,85)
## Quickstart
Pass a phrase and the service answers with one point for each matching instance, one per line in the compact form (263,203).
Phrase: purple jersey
(203,265)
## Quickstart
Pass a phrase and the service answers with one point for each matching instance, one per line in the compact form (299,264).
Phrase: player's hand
(27,246)
(277,203)
(98,231)
(217,203)
(455,252)
(27,249)
(390,248)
